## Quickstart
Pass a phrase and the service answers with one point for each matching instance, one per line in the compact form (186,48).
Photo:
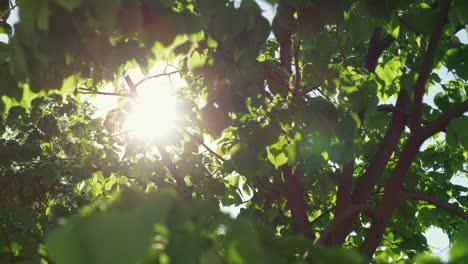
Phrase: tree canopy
(332,127)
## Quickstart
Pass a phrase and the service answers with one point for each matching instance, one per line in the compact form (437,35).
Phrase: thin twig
(157,76)
(296,64)
(308,90)
(322,215)
(123,132)
(104,93)
(9,10)
(205,146)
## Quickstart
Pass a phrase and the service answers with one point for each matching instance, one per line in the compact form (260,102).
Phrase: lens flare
(153,114)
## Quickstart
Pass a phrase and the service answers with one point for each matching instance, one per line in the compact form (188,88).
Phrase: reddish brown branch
(268,72)
(327,237)
(441,123)
(296,203)
(343,195)
(294,192)
(439,203)
(427,65)
(170,165)
(285,54)
(382,156)
(296,65)
(132,87)
(341,225)
(391,109)
(375,48)
(392,195)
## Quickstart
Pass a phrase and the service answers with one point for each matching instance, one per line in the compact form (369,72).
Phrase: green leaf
(196,60)
(456,60)
(461,11)
(43,14)
(442,101)
(69,5)
(242,243)
(427,259)
(421,20)
(10,86)
(277,152)
(5,28)
(5,52)
(390,71)
(358,24)
(291,154)
(336,255)
(210,257)
(211,6)
(456,132)
(459,252)
(112,236)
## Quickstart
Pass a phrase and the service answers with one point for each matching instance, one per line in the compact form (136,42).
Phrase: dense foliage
(314,124)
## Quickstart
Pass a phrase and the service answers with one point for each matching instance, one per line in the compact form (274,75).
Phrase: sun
(154,113)
(152,116)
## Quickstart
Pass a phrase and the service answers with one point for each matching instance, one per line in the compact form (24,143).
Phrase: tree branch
(387,108)
(392,195)
(441,123)
(306,91)
(375,48)
(378,163)
(342,224)
(204,145)
(326,237)
(434,201)
(157,76)
(296,203)
(391,109)
(9,10)
(267,71)
(322,215)
(296,65)
(343,195)
(103,93)
(170,165)
(426,68)
(131,86)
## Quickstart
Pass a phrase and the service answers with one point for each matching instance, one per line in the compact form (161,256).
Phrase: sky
(437,240)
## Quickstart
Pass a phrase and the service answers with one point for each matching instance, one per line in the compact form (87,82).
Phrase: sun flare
(154,113)
(153,116)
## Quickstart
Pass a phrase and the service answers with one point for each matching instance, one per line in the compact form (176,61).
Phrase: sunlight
(154,113)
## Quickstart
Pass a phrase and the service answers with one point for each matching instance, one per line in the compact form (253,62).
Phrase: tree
(327,125)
